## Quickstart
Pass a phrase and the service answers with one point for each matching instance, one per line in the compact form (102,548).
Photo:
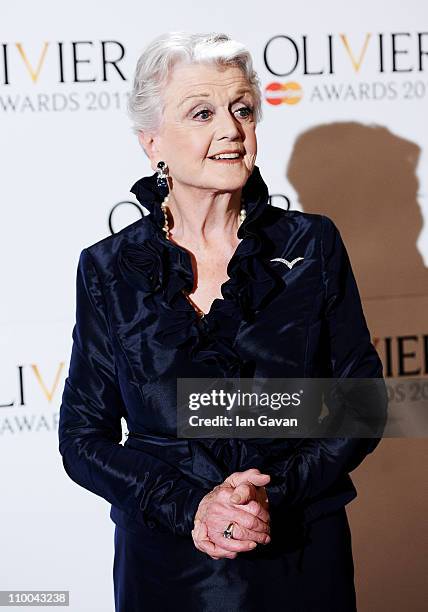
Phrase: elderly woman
(195,289)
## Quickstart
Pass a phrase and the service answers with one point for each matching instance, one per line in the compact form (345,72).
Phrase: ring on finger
(228,532)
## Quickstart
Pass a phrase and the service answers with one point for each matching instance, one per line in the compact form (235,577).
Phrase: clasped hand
(241,499)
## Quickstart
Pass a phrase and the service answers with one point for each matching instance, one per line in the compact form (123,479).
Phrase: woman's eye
(205,110)
(247,109)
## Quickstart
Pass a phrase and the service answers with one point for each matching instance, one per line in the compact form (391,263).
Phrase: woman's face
(207,110)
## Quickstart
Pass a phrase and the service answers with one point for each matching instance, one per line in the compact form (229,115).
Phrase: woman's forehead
(195,79)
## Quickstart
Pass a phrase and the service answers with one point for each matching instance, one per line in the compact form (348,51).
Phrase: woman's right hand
(242,481)
(250,516)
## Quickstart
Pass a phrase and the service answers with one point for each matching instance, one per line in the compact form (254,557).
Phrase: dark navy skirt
(309,570)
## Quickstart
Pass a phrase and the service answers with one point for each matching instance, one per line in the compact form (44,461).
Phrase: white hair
(155,65)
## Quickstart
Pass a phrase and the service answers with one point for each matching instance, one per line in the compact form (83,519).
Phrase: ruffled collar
(162,268)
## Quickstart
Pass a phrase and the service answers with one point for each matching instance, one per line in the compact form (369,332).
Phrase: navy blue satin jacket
(135,333)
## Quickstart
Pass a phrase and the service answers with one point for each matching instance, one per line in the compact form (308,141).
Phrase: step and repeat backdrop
(344,133)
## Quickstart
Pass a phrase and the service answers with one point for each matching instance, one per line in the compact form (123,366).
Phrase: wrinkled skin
(240,499)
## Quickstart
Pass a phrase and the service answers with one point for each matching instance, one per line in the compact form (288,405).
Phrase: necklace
(241,217)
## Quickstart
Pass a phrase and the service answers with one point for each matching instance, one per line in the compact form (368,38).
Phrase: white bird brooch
(290,264)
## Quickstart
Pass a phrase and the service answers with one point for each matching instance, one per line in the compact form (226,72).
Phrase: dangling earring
(162,178)
(162,183)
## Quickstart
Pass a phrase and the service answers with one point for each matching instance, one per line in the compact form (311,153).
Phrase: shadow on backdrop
(364,178)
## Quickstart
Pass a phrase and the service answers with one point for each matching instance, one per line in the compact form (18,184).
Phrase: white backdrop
(68,156)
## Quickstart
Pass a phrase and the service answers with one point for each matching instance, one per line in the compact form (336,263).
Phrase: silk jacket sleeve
(311,471)
(90,424)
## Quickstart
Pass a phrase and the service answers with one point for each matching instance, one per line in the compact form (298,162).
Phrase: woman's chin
(231,177)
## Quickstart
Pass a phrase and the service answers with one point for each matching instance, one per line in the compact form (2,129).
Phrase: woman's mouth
(227,158)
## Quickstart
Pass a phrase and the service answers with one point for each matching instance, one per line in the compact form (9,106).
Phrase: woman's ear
(143,139)
(148,145)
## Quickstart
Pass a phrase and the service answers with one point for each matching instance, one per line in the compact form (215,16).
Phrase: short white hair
(155,65)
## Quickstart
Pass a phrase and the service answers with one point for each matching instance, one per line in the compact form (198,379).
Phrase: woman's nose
(228,126)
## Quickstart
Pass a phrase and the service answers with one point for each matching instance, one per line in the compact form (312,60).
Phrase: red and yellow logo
(283,93)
